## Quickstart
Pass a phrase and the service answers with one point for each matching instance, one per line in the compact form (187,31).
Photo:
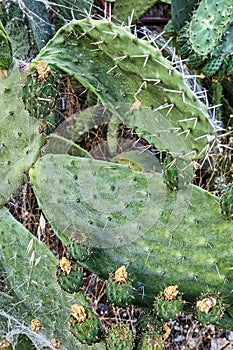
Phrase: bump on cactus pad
(120,337)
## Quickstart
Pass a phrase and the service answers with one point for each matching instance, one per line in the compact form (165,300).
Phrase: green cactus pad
(120,337)
(227,202)
(168,310)
(131,73)
(130,218)
(20,140)
(151,341)
(78,251)
(212,66)
(131,9)
(209,308)
(88,331)
(149,322)
(42,97)
(29,270)
(119,294)
(170,173)
(70,282)
(208,24)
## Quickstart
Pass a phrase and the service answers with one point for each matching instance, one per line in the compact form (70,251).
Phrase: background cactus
(227,202)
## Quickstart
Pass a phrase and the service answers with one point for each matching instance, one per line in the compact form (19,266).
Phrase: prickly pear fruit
(120,337)
(209,308)
(168,304)
(84,325)
(119,288)
(69,275)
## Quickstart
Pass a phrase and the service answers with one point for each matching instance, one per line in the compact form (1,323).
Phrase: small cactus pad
(209,308)
(78,251)
(69,276)
(170,173)
(168,304)
(84,325)
(119,289)
(227,202)
(150,340)
(120,337)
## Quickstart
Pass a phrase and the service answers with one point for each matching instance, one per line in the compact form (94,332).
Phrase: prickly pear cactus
(84,325)
(130,218)
(151,81)
(5,49)
(19,134)
(227,202)
(69,276)
(119,289)
(120,337)
(209,308)
(168,304)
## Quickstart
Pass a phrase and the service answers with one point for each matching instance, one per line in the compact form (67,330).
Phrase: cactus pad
(130,217)
(209,308)
(168,304)
(20,140)
(84,325)
(227,202)
(69,276)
